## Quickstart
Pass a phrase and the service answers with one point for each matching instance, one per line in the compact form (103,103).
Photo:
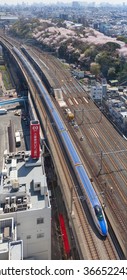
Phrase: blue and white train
(90,194)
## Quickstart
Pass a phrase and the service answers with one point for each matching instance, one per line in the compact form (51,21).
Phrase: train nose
(103,227)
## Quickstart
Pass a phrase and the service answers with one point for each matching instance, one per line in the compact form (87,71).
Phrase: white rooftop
(24,179)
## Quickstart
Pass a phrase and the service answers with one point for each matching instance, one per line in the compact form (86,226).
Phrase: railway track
(88,239)
(108,248)
(68,182)
(118,217)
(95,254)
(111,162)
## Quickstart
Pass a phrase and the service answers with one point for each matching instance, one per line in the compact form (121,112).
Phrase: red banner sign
(35,139)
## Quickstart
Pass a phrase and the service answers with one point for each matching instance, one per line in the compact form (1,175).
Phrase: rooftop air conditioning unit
(7,200)
(25,199)
(4,172)
(15,184)
(37,186)
(19,200)
(7,208)
(1,237)
(13,207)
(13,199)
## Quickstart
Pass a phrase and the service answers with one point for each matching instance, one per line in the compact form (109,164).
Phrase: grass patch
(2,68)
(66,66)
(6,77)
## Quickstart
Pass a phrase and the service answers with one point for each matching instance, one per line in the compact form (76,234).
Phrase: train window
(98,212)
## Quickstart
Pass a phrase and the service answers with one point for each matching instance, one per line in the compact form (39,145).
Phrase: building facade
(25,211)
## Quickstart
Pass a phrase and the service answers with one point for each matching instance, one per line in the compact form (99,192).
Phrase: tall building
(96,93)
(25,211)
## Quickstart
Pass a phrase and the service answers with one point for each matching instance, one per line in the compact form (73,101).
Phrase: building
(25,211)
(7,19)
(99,91)
(118,112)
(78,73)
(96,93)
(104,88)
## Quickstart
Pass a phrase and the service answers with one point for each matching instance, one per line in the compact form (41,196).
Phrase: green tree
(95,68)
(111,46)
(91,52)
(62,50)
(106,60)
(122,38)
(74,57)
(111,73)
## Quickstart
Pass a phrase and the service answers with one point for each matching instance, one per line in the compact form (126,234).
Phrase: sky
(9,2)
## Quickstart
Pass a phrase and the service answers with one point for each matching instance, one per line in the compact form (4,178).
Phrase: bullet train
(92,200)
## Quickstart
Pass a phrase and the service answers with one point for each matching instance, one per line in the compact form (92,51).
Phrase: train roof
(87,186)
(71,149)
(58,121)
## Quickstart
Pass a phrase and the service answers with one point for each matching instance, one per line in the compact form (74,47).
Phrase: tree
(62,50)
(74,56)
(91,52)
(111,73)
(105,60)
(122,38)
(95,68)
(111,46)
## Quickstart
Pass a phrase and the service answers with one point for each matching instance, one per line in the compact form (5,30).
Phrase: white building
(96,92)
(25,211)
(99,91)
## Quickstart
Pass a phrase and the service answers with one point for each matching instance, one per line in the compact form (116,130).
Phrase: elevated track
(87,240)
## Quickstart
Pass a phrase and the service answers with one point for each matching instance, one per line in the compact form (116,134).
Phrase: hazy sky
(9,2)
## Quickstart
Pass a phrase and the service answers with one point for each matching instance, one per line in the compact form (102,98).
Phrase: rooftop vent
(15,184)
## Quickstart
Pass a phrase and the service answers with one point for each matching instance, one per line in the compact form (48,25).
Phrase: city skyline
(29,2)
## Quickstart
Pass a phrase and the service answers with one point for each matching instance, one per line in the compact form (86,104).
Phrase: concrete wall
(36,237)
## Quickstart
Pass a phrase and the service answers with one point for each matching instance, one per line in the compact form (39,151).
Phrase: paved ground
(3,145)
(3,90)
(22,126)
(57,205)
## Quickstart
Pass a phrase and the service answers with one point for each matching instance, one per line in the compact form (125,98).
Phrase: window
(28,237)
(40,220)
(40,235)
(98,213)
